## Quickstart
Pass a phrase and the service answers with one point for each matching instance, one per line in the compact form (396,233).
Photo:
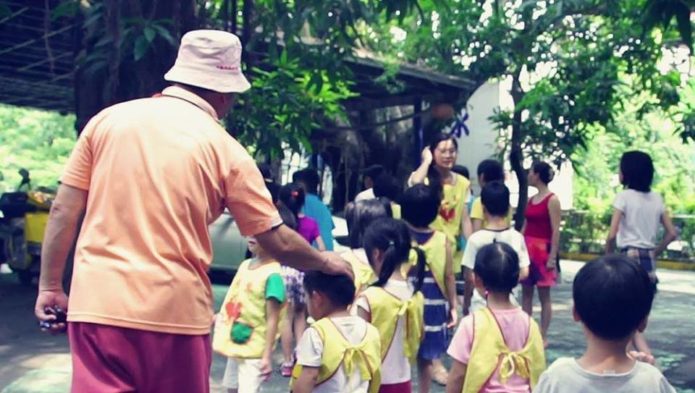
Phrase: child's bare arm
(476,224)
(468,289)
(555,220)
(450,284)
(362,313)
(613,232)
(523,273)
(670,233)
(466,225)
(273,308)
(457,375)
(306,381)
(320,244)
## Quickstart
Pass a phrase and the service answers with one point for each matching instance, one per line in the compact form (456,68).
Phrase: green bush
(36,140)
(586,232)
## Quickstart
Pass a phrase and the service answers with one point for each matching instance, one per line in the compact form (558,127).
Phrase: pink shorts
(113,359)
(403,387)
(539,274)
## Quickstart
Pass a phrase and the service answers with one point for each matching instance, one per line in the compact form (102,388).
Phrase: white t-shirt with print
(484,237)
(310,351)
(395,368)
(567,376)
(365,195)
(642,213)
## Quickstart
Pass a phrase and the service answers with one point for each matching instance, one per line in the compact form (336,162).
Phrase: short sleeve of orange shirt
(248,199)
(78,170)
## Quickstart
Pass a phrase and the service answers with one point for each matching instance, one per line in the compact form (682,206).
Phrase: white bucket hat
(210,59)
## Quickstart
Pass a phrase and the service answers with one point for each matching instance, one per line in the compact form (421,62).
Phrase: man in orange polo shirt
(148,176)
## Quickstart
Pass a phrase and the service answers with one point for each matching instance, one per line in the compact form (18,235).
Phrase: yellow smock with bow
(451,210)
(489,350)
(364,274)
(386,309)
(244,307)
(337,351)
(435,254)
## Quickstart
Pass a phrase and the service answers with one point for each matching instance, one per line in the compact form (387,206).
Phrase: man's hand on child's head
(335,265)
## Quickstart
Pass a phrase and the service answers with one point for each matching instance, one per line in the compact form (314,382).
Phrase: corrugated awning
(38,51)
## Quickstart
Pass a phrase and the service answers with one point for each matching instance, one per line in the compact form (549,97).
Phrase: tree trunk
(516,156)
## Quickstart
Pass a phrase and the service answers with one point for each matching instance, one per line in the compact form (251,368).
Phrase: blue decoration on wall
(459,127)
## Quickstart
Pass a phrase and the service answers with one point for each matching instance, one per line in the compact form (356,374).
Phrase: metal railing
(585,233)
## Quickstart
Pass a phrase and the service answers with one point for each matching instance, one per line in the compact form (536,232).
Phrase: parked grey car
(229,246)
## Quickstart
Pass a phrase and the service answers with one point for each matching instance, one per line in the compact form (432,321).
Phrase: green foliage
(686,111)
(566,60)
(298,69)
(596,182)
(566,55)
(294,54)
(67,8)
(663,13)
(36,140)
(284,105)
(137,38)
(590,51)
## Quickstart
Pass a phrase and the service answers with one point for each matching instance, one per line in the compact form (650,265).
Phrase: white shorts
(243,374)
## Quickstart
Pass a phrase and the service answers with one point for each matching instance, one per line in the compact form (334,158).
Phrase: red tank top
(538,219)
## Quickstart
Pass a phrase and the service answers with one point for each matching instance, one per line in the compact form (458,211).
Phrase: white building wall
(482,143)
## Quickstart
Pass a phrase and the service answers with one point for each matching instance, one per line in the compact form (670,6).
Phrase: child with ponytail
(419,207)
(291,199)
(498,348)
(359,215)
(392,304)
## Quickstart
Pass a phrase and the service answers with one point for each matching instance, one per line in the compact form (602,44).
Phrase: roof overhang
(38,52)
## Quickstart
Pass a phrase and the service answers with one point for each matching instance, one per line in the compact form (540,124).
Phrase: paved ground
(31,362)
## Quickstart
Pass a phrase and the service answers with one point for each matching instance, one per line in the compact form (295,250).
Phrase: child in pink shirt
(498,348)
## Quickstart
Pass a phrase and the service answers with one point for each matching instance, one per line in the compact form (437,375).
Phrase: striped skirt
(436,334)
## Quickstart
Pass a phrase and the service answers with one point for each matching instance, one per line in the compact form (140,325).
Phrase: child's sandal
(440,375)
(286,370)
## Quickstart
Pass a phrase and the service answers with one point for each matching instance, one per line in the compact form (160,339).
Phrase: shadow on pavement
(31,361)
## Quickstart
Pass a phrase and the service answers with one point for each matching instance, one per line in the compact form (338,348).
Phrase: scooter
(23,219)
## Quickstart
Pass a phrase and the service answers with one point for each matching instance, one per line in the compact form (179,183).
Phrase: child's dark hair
(420,205)
(288,218)
(387,186)
(309,177)
(497,265)
(495,198)
(638,170)
(358,216)
(491,170)
(270,183)
(462,170)
(292,196)
(435,179)
(340,289)
(544,171)
(373,171)
(612,296)
(393,239)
